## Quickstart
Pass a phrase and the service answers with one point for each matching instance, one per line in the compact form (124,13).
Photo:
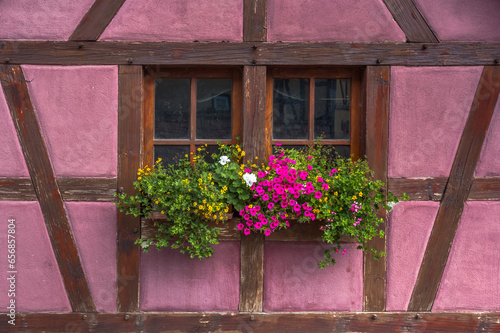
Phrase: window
(188,107)
(309,103)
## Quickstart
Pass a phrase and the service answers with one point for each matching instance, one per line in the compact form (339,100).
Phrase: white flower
(249,178)
(224,160)
(391,204)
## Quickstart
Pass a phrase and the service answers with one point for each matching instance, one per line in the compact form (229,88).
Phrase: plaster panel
(12,163)
(172,281)
(331,21)
(429,109)
(409,229)
(77,111)
(94,229)
(471,279)
(293,281)
(39,285)
(40,20)
(177,20)
(489,161)
(463,20)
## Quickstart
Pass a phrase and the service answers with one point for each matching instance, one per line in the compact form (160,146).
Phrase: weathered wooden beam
(418,189)
(485,189)
(96,20)
(254,144)
(71,189)
(411,21)
(377,135)
(46,189)
(130,93)
(156,53)
(254,20)
(256,323)
(456,191)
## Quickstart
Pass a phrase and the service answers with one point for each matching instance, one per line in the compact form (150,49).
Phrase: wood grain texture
(418,189)
(411,21)
(226,54)
(96,20)
(46,189)
(87,189)
(252,273)
(254,20)
(254,143)
(319,322)
(485,189)
(377,133)
(12,189)
(130,92)
(456,191)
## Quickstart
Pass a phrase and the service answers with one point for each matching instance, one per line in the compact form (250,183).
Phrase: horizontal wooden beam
(298,232)
(431,189)
(72,189)
(245,53)
(256,322)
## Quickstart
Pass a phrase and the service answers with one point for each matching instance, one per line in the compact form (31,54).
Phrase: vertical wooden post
(254,20)
(130,95)
(377,132)
(254,138)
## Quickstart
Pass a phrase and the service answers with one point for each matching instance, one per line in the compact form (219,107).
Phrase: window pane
(332,105)
(172,108)
(213,108)
(290,108)
(209,150)
(171,154)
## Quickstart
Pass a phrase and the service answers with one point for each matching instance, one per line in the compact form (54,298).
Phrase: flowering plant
(189,194)
(315,185)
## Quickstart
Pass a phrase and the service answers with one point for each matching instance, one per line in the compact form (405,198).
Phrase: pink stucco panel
(94,229)
(77,108)
(171,281)
(409,228)
(177,21)
(12,163)
(471,279)
(40,20)
(428,111)
(463,20)
(489,161)
(39,285)
(331,21)
(293,281)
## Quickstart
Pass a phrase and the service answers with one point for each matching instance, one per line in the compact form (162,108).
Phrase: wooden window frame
(192,73)
(312,73)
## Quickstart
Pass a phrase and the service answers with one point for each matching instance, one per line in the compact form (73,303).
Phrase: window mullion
(192,147)
(311,110)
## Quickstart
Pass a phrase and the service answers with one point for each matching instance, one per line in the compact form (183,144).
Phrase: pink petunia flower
(317,195)
(309,167)
(265,197)
(246,231)
(267,232)
(270,206)
(258,225)
(240,226)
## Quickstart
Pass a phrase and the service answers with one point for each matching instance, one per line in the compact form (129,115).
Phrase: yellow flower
(243,153)
(336,193)
(240,173)
(162,212)
(360,194)
(186,155)
(180,196)
(212,183)
(199,149)
(354,197)
(194,204)
(139,178)
(204,201)
(156,202)
(189,209)
(256,157)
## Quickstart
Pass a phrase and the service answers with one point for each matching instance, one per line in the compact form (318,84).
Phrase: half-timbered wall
(71,117)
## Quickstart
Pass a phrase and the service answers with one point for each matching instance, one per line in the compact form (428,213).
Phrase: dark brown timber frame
(96,20)
(377,135)
(249,53)
(411,21)
(456,191)
(46,189)
(130,99)
(319,322)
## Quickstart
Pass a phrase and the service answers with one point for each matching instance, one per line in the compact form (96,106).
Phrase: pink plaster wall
(39,285)
(12,162)
(171,281)
(331,21)
(177,20)
(40,20)
(77,111)
(471,279)
(429,108)
(293,281)
(94,229)
(489,161)
(463,20)
(409,228)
